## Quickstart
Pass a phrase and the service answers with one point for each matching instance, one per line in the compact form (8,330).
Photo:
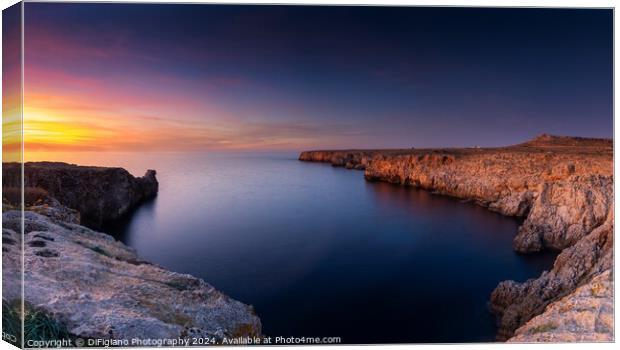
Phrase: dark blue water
(321,252)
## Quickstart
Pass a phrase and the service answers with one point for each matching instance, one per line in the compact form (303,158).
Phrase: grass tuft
(38,324)
(543,328)
(11,321)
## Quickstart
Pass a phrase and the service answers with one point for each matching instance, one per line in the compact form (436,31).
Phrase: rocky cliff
(96,287)
(80,283)
(350,159)
(99,194)
(561,186)
(585,315)
(84,284)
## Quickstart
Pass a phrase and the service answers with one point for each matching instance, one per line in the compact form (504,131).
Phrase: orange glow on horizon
(80,98)
(106,120)
(11,124)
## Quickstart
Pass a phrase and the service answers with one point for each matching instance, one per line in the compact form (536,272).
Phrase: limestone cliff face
(561,186)
(577,266)
(585,315)
(97,287)
(349,159)
(562,196)
(99,194)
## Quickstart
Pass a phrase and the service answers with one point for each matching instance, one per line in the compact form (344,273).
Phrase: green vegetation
(543,328)
(178,285)
(99,250)
(38,324)
(95,249)
(11,321)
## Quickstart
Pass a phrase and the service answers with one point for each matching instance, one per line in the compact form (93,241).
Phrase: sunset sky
(155,78)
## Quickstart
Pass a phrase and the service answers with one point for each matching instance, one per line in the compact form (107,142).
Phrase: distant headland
(563,189)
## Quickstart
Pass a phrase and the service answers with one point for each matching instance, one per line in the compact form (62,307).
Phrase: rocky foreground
(563,189)
(94,287)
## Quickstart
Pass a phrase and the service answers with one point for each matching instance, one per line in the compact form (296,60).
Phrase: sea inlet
(320,252)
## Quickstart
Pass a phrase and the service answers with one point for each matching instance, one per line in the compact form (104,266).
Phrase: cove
(320,252)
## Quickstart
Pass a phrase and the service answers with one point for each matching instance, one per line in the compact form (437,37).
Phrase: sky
(11,85)
(167,78)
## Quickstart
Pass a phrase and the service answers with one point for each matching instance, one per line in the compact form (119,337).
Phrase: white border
(476,3)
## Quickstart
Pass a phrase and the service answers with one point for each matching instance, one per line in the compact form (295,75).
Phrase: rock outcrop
(351,159)
(517,303)
(585,315)
(99,194)
(95,287)
(561,186)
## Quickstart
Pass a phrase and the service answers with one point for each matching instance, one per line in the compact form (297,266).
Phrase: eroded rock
(585,315)
(354,159)
(98,288)
(565,211)
(516,303)
(99,194)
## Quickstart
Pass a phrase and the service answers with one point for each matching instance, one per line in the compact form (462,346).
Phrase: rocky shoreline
(99,194)
(87,284)
(563,189)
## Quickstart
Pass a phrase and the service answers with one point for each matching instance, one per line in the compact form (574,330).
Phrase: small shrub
(35,196)
(32,196)
(543,328)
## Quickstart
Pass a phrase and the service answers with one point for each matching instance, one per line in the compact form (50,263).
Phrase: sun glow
(11,126)
(11,136)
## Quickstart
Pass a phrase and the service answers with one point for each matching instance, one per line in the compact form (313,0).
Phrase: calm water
(320,252)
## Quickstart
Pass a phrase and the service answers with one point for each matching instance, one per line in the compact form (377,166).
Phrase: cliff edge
(94,287)
(561,186)
(99,194)
(81,283)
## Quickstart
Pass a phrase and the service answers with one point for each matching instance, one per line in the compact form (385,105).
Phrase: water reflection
(142,216)
(488,228)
